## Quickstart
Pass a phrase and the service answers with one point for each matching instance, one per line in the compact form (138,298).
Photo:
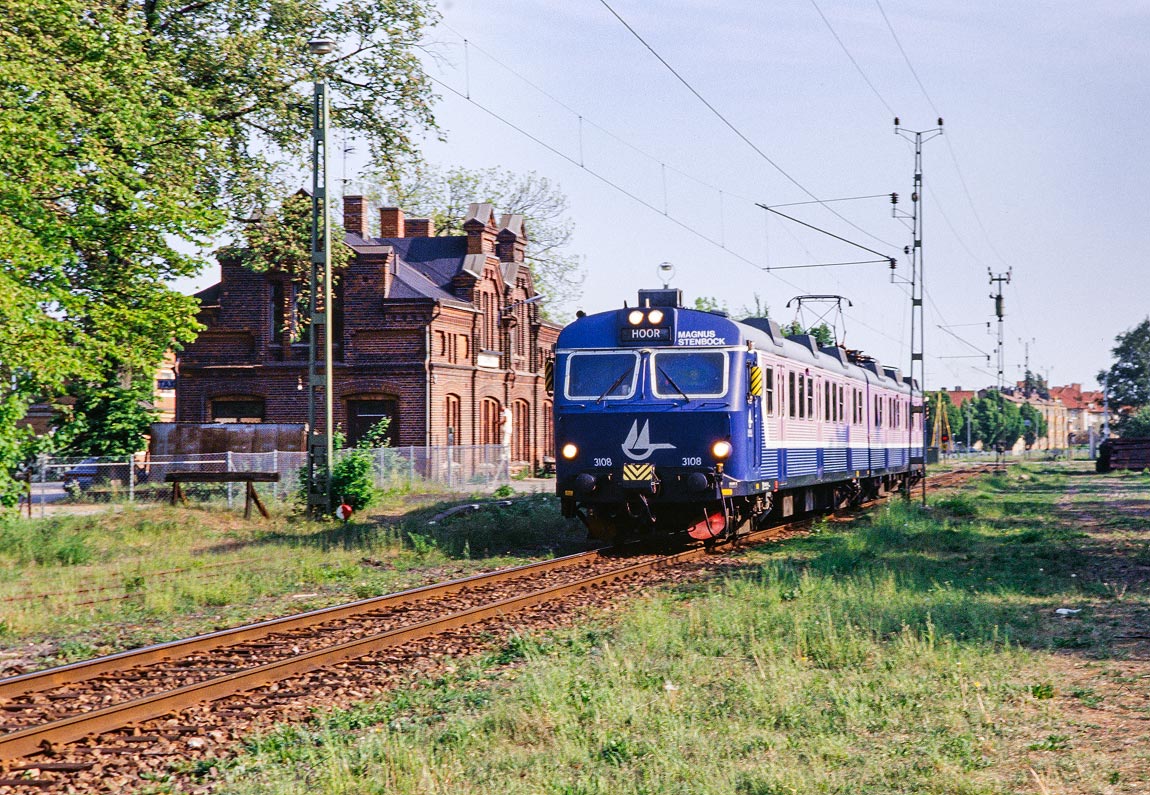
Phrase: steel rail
(36,681)
(66,730)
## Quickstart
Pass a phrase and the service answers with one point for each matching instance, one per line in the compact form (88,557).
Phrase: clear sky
(1041,169)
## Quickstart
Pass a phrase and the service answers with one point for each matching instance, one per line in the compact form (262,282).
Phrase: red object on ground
(343,511)
(708,528)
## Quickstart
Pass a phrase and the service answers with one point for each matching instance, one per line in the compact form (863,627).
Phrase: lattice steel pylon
(319,387)
(917,319)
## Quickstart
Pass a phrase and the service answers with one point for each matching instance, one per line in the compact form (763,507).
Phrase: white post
(43,482)
(229,469)
(131,478)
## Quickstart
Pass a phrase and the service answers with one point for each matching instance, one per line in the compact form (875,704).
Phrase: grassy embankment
(72,587)
(909,651)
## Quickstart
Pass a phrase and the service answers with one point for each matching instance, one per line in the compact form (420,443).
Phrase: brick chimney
(355,215)
(420,227)
(480,229)
(391,222)
(511,243)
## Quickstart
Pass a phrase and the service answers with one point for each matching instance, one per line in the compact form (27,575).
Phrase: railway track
(43,712)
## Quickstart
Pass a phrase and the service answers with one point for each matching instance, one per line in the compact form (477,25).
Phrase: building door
(363,415)
(521,431)
(489,425)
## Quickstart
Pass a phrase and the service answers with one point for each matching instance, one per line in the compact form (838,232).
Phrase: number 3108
(602,462)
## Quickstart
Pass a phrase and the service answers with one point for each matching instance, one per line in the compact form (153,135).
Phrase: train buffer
(248,478)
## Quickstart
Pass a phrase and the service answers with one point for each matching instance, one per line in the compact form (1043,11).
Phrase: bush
(352,475)
(351,479)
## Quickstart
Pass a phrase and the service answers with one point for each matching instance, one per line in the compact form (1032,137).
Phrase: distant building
(1085,411)
(1052,410)
(440,334)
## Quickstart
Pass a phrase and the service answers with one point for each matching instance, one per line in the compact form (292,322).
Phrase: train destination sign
(644,334)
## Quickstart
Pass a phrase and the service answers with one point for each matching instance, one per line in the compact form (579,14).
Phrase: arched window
(365,412)
(489,411)
(521,431)
(453,417)
(548,429)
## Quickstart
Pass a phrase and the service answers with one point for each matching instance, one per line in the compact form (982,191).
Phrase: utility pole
(917,377)
(999,312)
(1001,351)
(319,387)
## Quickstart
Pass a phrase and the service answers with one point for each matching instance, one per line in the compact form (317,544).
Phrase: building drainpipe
(427,374)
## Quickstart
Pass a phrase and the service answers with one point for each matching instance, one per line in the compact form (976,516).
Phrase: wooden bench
(176,478)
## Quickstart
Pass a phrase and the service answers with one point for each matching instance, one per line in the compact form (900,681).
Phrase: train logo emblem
(637,445)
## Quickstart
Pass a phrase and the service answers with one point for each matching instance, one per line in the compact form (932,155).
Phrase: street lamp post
(319,450)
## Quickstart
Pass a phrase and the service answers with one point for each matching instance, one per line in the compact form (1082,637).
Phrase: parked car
(83,475)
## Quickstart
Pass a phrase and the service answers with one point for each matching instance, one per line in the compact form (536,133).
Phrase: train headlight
(721,449)
(655,316)
(569,451)
(635,318)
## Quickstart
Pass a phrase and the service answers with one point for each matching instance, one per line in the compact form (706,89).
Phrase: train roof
(591,331)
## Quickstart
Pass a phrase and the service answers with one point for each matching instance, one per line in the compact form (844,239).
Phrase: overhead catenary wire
(742,136)
(851,58)
(950,146)
(601,177)
(584,120)
(663,165)
(638,199)
(959,238)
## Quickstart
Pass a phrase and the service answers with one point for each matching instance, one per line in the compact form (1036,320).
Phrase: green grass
(110,581)
(910,653)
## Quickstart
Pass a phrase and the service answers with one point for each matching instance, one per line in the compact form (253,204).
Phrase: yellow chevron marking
(639,472)
(756,380)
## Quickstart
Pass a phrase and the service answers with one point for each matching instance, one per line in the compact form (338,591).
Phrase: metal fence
(57,481)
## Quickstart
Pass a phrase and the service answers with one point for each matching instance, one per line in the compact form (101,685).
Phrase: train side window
(802,397)
(769,389)
(827,401)
(810,397)
(842,402)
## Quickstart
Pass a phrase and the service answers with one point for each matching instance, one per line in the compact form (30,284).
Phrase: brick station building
(436,333)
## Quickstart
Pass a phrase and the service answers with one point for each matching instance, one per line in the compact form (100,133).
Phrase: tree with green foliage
(106,419)
(1033,424)
(279,239)
(1128,379)
(707,303)
(1034,384)
(129,126)
(822,333)
(996,420)
(443,195)
(757,308)
(1136,425)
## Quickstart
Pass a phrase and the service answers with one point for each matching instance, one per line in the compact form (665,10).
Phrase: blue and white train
(671,420)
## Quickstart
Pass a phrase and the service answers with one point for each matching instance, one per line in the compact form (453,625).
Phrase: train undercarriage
(635,514)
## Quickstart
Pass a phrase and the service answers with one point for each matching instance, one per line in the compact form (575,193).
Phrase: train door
(756,419)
